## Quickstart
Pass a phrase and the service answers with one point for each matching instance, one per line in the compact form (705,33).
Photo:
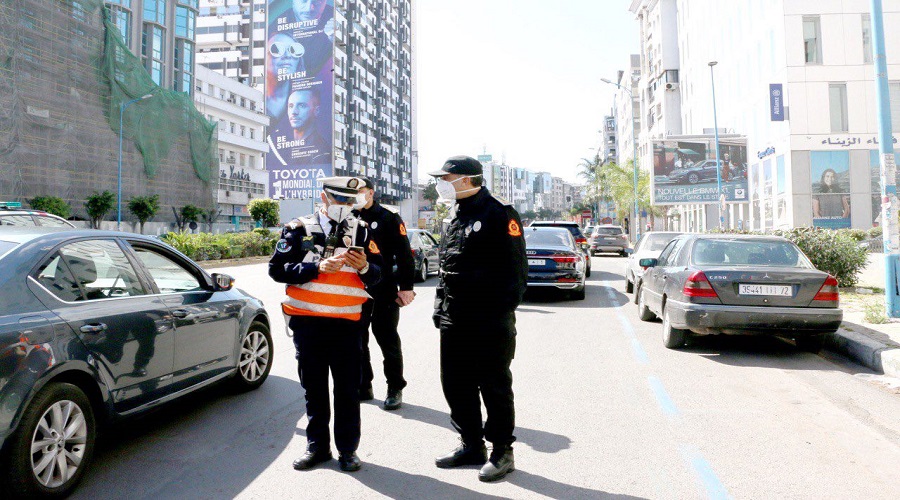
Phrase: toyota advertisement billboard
(686,171)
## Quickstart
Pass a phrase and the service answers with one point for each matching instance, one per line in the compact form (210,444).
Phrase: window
(55,277)
(121,17)
(837,97)
(155,11)
(169,276)
(867,38)
(812,40)
(184,65)
(101,270)
(184,22)
(51,221)
(252,133)
(152,50)
(16,220)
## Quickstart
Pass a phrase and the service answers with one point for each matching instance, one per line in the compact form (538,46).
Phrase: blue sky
(519,76)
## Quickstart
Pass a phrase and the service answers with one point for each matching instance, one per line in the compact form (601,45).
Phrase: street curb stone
(874,354)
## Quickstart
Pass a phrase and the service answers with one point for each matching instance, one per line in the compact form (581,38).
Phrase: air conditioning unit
(672,86)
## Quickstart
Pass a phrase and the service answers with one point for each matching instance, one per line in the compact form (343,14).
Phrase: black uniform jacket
(389,233)
(287,264)
(484,270)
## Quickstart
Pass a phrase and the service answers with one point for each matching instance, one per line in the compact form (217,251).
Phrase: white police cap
(341,186)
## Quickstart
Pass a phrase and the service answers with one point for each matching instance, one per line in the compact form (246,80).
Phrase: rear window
(16,220)
(52,221)
(609,231)
(656,242)
(748,253)
(552,238)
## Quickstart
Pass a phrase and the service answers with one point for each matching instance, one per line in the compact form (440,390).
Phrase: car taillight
(829,291)
(565,261)
(698,286)
(581,240)
(624,237)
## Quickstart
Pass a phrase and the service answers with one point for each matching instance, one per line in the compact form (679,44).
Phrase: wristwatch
(363,270)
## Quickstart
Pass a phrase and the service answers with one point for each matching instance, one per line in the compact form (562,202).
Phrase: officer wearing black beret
(395,290)
(483,276)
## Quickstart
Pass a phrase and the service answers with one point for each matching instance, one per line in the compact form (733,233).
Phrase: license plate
(609,238)
(537,262)
(773,290)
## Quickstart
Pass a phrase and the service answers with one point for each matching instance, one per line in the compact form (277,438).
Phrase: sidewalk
(876,346)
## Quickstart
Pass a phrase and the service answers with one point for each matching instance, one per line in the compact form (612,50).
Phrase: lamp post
(635,217)
(122,107)
(712,76)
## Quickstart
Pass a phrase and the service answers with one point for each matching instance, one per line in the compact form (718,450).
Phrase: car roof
(554,223)
(24,234)
(548,229)
(609,225)
(728,236)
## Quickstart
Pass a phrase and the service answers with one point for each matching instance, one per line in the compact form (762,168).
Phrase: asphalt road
(603,410)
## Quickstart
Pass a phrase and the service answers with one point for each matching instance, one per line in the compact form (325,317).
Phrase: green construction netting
(154,123)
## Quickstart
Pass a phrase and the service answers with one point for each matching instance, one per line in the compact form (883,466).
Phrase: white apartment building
(231,39)
(627,110)
(608,146)
(819,53)
(242,148)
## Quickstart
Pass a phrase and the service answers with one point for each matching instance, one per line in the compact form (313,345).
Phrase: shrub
(856,234)
(144,208)
(52,205)
(98,205)
(264,211)
(876,232)
(835,252)
(207,246)
(874,311)
(263,232)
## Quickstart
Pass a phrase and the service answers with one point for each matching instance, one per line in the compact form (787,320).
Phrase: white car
(648,247)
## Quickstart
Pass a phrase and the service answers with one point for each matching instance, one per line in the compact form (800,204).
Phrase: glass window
(608,231)
(837,96)
(184,66)
(155,11)
(812,36)
(656,242)
(152,50)
(170,277)
(867,38)
(51,221)
(122,19)
(16,220)
(428,239)
(536,238)
(101,269)
(55,277)
(748,253)
(184,22)
(663,257)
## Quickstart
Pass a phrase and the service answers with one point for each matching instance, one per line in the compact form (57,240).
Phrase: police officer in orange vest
(327,260)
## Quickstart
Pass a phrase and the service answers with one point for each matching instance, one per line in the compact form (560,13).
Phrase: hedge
(207,246)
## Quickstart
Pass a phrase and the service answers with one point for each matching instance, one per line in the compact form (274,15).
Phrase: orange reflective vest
(337,295)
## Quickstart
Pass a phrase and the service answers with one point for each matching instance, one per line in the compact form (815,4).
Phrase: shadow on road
(759,351)
(212,441)
(555,489)
(396,484)
(540,441)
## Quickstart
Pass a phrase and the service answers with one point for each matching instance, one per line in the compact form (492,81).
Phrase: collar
(475,200)
(324,221)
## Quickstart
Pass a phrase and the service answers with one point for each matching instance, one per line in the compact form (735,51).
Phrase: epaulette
(391,209)
(294,224)
(503,201)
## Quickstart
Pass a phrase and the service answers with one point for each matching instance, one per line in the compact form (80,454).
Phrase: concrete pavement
(603,411)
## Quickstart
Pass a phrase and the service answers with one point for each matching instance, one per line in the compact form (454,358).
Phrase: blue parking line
(639,353)
(662,397)
(714,487)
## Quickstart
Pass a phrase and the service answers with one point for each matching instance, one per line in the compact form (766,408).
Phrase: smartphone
(356,249)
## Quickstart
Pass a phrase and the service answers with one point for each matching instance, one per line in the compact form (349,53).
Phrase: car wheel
(423,272)
(54,443)
(629,285)
(693,178)
(644,312)
(673,338)
(578,294)
(587,272)
(810,343)
(255,360)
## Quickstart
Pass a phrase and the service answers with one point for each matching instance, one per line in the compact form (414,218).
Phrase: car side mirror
(629,251)
(648,262)
(222,282)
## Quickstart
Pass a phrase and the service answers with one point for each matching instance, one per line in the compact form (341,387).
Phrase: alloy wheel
(58,444)
(254,356)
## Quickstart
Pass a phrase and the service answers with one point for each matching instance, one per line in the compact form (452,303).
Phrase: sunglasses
(343,199)
(281,49)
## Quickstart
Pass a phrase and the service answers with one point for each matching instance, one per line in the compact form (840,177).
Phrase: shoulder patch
(283,246)
(373,248)
(514,230)
(403,229)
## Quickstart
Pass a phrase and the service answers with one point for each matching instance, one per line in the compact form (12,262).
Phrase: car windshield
(6,246)
(608,231)
(543,238)
(748,253)
(656,242)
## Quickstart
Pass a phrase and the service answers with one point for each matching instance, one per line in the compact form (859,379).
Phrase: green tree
(144,208)
(97,206)
(264,211)
(441,212)
(190,213)
(430,192)
(530,215)
(52,205)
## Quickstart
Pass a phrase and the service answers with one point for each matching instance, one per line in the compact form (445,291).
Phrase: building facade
(609,145)
(627,110)
(231,39)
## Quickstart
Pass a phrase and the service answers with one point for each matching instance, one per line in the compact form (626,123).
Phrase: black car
(580,239)
(555,261)
(738,285)
(425,252)
(705,171)
(98,325)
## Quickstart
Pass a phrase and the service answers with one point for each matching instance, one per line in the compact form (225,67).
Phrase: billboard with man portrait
(299,90)
(686,171)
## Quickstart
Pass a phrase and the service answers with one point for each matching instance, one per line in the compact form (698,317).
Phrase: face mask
(360,201)
(338,213)
(445,190)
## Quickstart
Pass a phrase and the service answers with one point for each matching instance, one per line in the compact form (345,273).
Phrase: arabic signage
(835,141)
(299,96)
(685,172)
(776,102)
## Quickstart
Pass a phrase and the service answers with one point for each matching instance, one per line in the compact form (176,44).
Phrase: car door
(93,286)
(206,323)
(671,272)
(430,249)
(653,281)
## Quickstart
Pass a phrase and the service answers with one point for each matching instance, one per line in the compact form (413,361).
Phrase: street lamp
(718,164)
(635,218)
(122,107)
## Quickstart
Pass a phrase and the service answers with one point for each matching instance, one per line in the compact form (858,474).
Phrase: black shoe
(349,462)
(465,454)
(311,459)
(366,394)
(394,399)
(500,464)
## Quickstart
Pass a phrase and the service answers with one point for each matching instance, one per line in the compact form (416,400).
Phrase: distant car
(580,239)
(705,171)
(555,260)
(648,247)
(99,325)
(738,285)
(30,218)
(587,231)
(425,252)
(609,238)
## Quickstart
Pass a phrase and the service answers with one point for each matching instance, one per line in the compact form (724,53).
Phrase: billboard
(299,89)
(830,177)
(685,171)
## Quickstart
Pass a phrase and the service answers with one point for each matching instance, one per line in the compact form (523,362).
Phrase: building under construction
(65,71)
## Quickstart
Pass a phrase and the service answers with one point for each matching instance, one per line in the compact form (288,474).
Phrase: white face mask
(445,190)
(361,201)
(338,213)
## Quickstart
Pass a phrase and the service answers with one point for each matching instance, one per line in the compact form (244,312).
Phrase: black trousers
(335,345)
(385,318)
(475,361)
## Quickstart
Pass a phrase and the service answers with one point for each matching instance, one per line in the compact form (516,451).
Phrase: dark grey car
(98,325)
(738,285)
(425,253)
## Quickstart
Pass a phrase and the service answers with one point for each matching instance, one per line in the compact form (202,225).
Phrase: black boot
(349,462)
(500,464)
(311,459)
(466,454)
(366,393)
(394,399)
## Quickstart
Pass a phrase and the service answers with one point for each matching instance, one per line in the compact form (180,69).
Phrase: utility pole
(712,77)
(889,202)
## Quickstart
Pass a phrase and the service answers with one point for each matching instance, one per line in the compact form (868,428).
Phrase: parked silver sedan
(648,247)
(738,285)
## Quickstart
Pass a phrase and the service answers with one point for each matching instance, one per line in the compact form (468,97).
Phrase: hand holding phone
(355,257)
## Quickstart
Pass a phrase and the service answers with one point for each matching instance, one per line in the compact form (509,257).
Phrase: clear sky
(521,77)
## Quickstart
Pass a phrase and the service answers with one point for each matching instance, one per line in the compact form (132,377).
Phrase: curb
(877,355)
